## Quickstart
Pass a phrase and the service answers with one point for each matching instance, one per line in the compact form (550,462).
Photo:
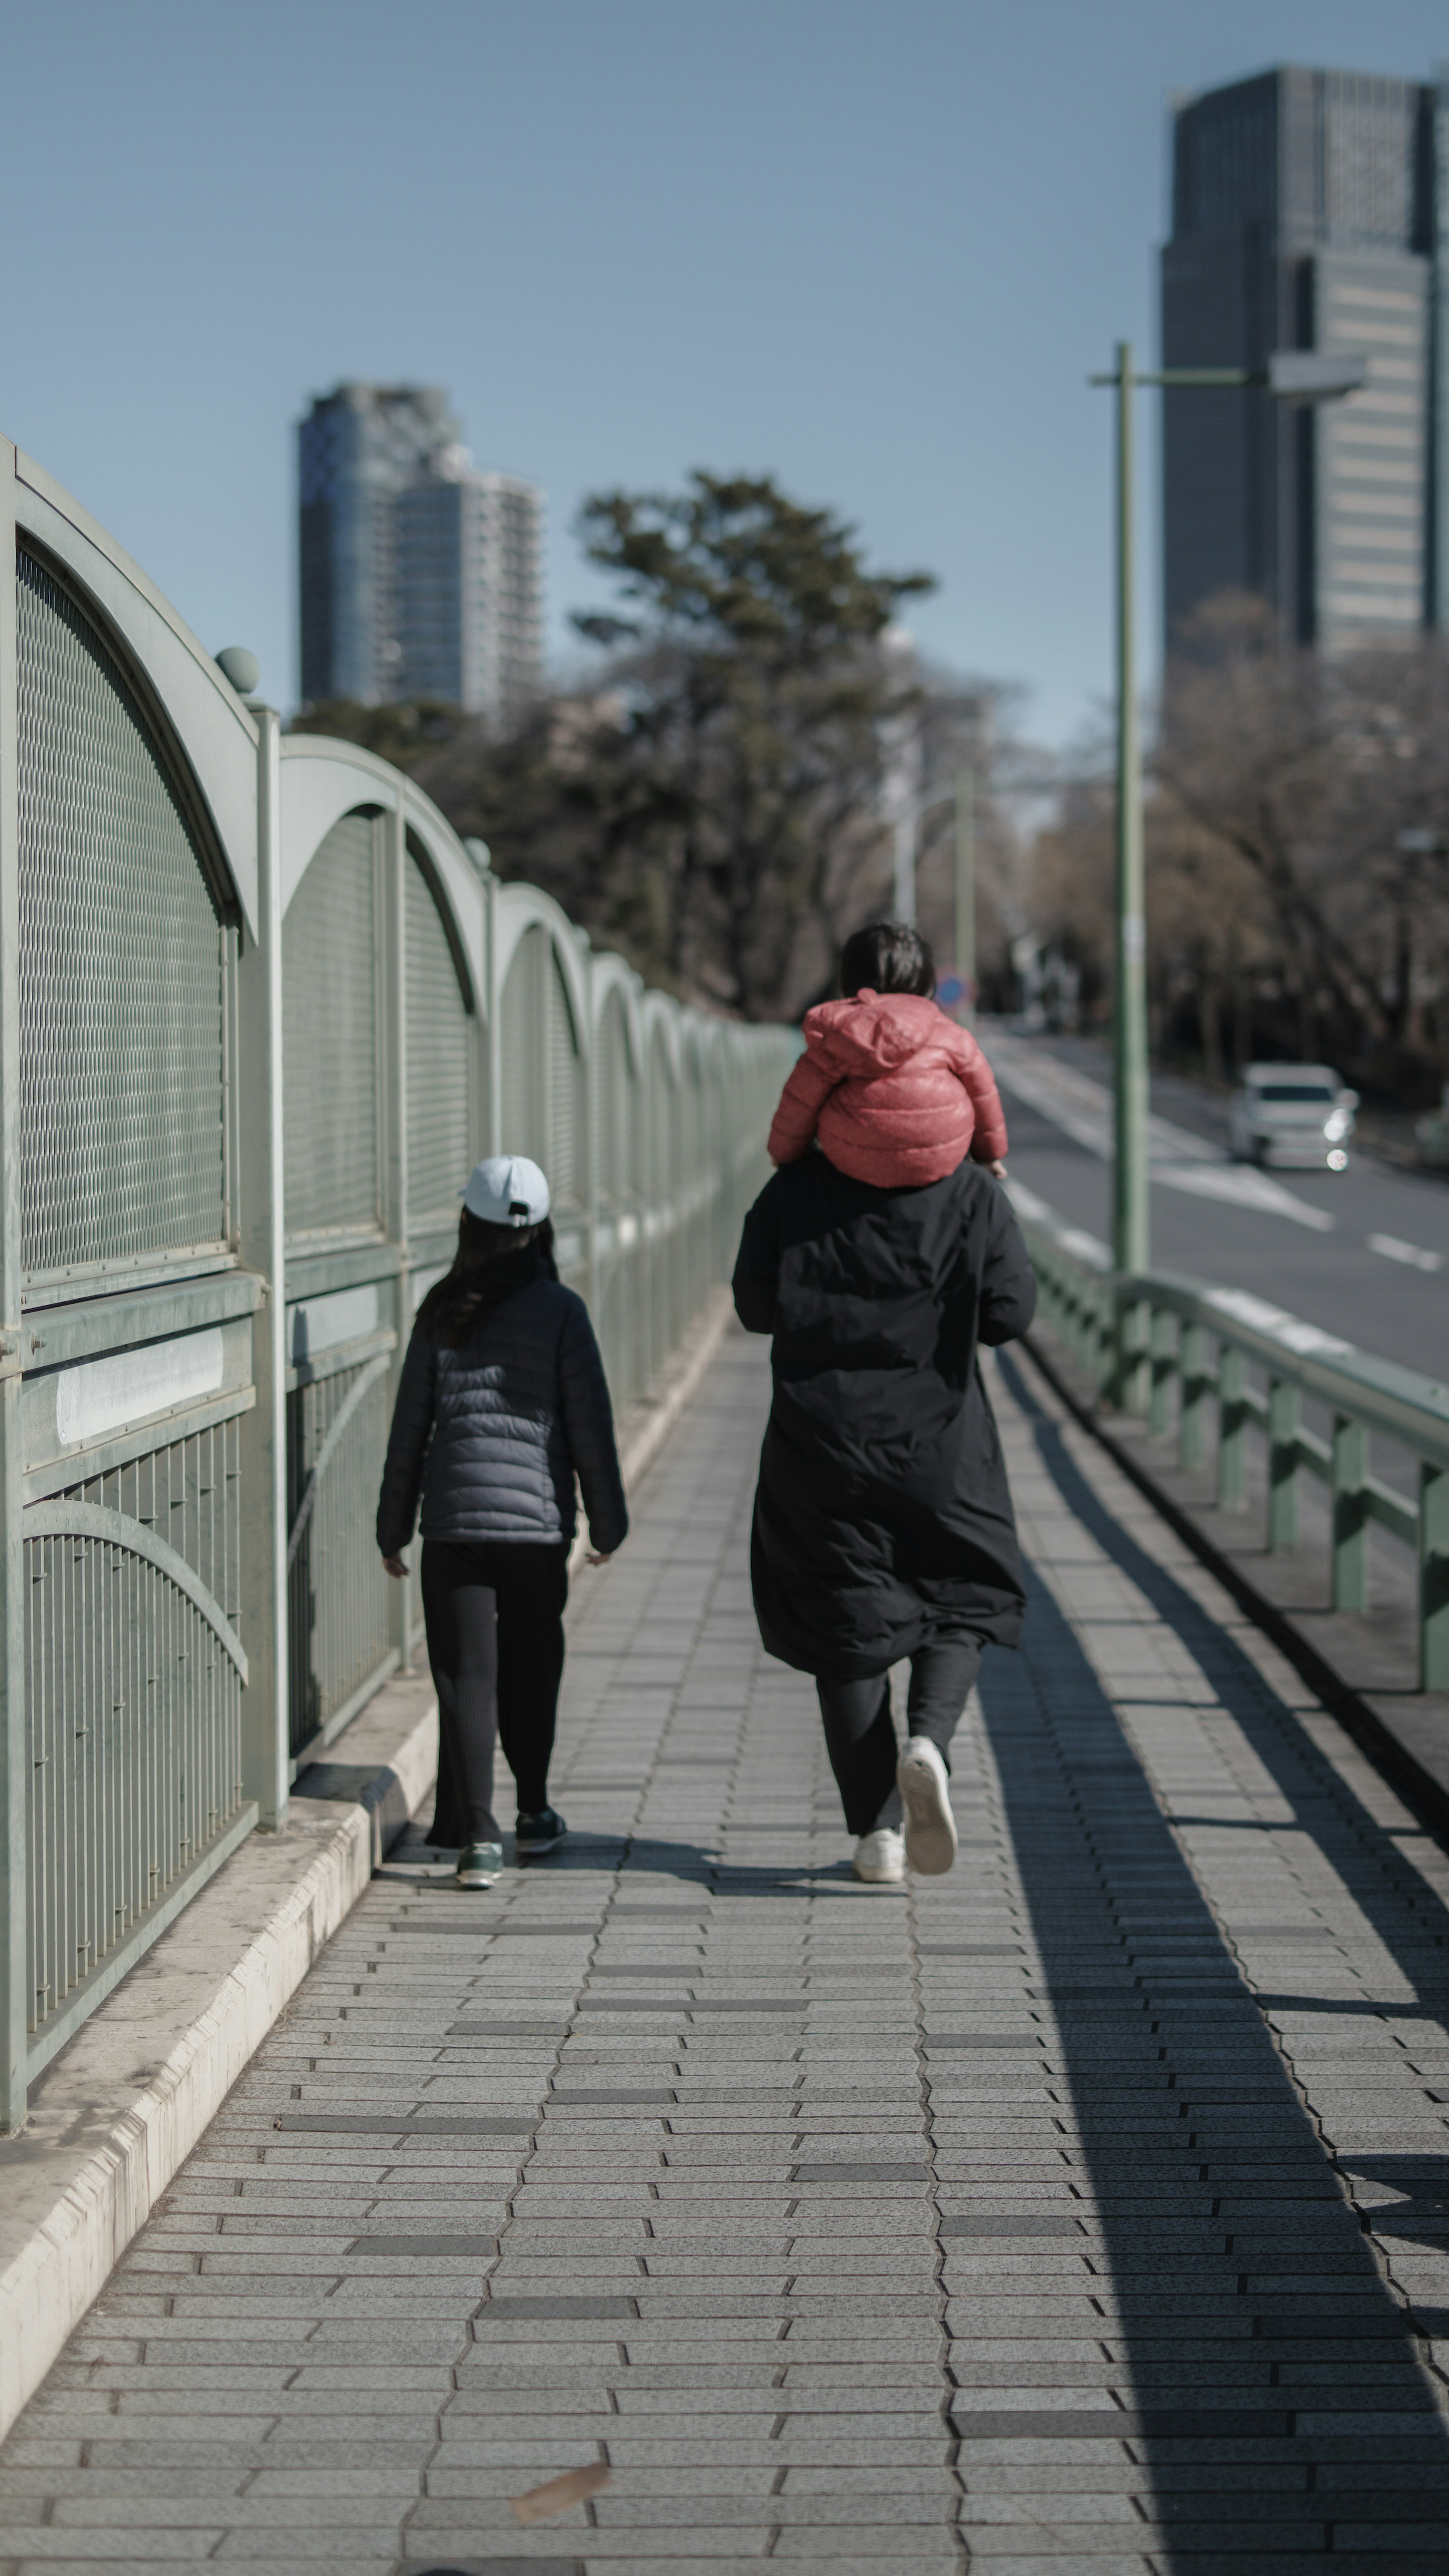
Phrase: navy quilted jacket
(492,1435)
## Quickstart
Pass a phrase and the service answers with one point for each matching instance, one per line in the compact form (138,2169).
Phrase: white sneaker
(880,1858)
(924,1784)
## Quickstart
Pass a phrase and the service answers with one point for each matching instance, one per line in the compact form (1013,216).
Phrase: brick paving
(1086,2208)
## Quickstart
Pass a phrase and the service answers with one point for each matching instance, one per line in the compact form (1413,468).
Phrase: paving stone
(1160,2334)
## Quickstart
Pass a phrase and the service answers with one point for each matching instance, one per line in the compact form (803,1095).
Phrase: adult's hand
(397,1567)
(590,1558)
(997,1170)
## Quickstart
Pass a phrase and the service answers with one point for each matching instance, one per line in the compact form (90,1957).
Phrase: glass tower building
(420,578)
(1308,212)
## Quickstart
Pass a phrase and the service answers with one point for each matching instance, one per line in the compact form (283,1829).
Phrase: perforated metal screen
(440,1033)
(132,1706)
(523,1121)
(337,1592)
(615,1105)
(563,1159)
(329,1022)
(122,961)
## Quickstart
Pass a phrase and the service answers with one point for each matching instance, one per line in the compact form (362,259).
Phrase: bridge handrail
(1177,1351)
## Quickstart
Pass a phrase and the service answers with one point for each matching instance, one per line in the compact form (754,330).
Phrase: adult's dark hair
(887,957)
(456,1303)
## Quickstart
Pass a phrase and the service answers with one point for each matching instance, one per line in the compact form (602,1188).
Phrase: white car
(1292,1113)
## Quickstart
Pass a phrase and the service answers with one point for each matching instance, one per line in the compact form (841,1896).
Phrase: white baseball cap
(507,1189)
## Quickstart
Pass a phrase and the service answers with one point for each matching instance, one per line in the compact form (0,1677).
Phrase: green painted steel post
(1131,1249)
(966,886)
(266,1769)
(1433,1577)
(392,975)
(1232,1428)
(1282,1465)
(14,1760)
(1163,1338)
(1350,1514)
(1193,1407)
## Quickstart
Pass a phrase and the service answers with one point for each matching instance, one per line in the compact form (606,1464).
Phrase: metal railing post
(393,982)
(1350,1514)
(1133,1374)
(1162,1368)
(1433,1577)
(265,1747)
(1282,1465)
(1232,1428)
(15,1995)
(1192,1415)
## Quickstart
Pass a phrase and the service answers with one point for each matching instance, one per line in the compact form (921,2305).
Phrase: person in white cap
(502,1403)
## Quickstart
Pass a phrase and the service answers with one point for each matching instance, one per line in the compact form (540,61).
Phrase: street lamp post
(965,854)
(1291,375)
(962,795)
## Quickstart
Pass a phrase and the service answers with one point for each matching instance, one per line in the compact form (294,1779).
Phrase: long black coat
(882,1513)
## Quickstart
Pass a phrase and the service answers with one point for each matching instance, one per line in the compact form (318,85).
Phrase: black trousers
(859,1736)
(494,1617)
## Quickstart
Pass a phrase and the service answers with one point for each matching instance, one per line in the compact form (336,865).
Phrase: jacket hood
(871,1034)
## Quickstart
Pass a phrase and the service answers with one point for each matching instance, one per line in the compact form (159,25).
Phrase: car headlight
(1336,1126)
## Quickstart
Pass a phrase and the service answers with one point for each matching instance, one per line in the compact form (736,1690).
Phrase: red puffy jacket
(898,1092)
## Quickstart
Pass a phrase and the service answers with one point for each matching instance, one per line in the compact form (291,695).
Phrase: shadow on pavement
(1269,2383)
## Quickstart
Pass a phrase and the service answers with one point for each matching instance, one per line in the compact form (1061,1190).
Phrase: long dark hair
(456,1303)
(887,957)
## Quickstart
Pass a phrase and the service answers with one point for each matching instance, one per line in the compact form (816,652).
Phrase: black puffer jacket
(510,1418)
(883,1512)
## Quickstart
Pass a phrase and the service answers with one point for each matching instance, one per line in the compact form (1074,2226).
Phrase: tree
(1327,777)
(753,649)
(713,803)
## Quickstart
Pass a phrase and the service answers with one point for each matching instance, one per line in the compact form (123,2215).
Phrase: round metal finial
(241,667)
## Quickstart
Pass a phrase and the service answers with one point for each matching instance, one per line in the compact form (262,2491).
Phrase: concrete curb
(118,2111)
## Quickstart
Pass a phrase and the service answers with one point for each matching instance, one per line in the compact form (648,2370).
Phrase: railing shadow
(1258,2372)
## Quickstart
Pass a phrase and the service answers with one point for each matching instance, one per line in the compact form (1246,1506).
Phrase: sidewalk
(841,2225)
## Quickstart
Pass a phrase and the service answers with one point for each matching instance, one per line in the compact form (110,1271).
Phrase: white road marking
(1243,1186)
(1082,1109)
(1411,1254)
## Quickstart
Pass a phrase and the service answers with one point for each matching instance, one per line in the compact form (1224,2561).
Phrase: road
(1363,1254)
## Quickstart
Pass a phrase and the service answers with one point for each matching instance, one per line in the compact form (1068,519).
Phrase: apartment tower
(1308,212)
(420,577)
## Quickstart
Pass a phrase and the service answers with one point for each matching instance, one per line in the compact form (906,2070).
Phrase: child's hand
(591,1559)
(397,1567)
(997,1170)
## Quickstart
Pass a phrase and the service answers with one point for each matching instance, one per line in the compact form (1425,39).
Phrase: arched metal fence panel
(134,1674)
(122,969)
(562,1156)
(439,1059)
(330,1041)
(270,1009)
(523,1096)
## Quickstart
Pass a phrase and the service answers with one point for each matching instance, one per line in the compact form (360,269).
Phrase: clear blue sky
(872,245)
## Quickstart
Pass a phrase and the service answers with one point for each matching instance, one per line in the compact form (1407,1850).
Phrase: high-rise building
(420,578)
(1309,211)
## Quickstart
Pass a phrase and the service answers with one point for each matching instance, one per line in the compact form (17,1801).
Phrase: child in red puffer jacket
(896,1092)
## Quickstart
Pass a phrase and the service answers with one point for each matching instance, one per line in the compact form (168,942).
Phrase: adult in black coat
(883,1526)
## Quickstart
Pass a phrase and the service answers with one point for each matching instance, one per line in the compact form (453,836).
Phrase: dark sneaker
(540,1833)
(479,1864)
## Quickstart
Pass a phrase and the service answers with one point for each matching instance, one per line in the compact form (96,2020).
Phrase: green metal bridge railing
(1188,1358)
(260,1012)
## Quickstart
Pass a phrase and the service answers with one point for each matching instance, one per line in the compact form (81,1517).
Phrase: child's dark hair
(451,1307)
(887,957)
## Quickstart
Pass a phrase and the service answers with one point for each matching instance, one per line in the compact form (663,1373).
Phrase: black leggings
(496,1645)
(859,1736)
